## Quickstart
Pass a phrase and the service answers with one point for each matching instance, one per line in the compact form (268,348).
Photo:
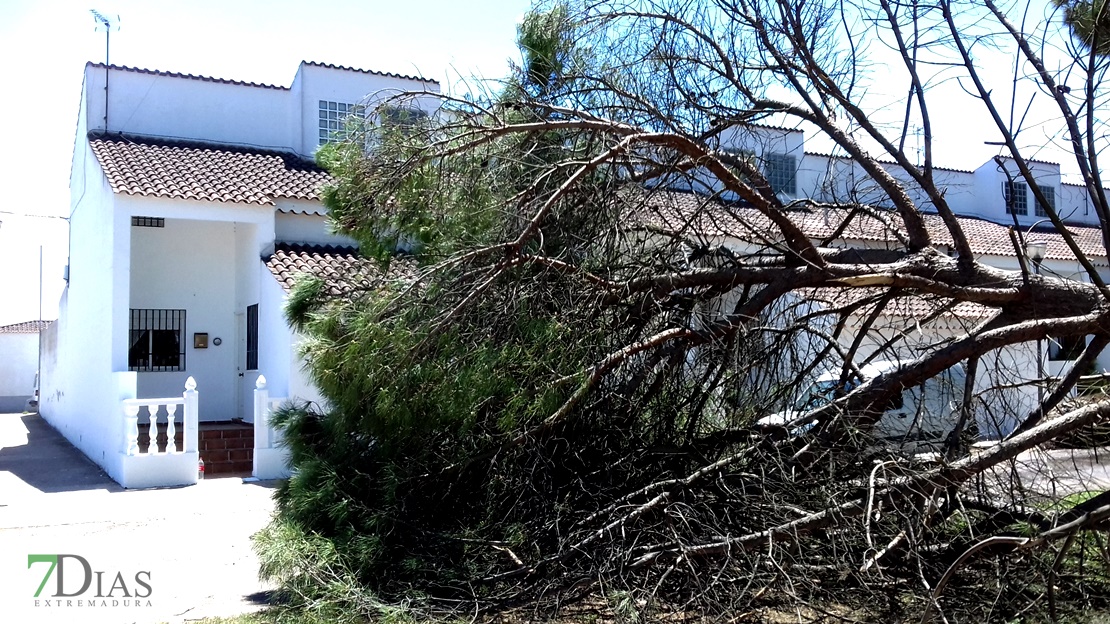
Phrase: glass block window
(155,340)
(782,173)
(1017,198)
(333,120)
(1049,193)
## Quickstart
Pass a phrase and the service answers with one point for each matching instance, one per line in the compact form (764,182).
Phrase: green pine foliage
(452,442)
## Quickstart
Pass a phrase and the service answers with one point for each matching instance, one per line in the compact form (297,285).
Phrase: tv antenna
(108,23)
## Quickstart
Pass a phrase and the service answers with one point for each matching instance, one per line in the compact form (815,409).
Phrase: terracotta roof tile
(27,327)
(699,215)
(907,305)
(199,171)
(341,268)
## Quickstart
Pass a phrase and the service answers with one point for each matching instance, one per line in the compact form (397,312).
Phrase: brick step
(225,448)
(212,469)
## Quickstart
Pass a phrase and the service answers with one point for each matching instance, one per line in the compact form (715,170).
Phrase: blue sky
(46,45)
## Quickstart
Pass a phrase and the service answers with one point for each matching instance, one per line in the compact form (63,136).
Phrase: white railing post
(171,430)
(130,428)
(152,412)
(261,414)
(191,416)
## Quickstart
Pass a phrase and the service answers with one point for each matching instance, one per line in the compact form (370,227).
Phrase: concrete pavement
(160,555)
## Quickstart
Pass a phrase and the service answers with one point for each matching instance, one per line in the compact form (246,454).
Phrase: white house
(987,201)
(182,189)
(194,203)
(19,363)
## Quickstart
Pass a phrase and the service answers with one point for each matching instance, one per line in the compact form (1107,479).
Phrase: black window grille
(252,337)
(148,222)
(155,340)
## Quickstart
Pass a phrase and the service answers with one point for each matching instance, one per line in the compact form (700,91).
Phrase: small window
(1017,198)
(335,118)
(1062,348)
(782,173)
(155,343)
(252,337)
(156,222)
(1049,193)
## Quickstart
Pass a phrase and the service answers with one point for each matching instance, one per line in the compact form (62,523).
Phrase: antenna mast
(108,24)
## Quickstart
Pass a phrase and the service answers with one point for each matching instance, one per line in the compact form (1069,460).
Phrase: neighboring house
(19,364)
(987,204)
(183,188)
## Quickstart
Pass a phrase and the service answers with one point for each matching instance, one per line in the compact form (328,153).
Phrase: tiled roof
(699,215)
(191,170)
(371,71)
(882,161)
(912,305)
(27,327)
(158,72)
(341,268)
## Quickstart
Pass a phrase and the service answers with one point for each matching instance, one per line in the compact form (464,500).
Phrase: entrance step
(226,448)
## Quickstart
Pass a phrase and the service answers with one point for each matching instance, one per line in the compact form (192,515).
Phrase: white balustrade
(188,399)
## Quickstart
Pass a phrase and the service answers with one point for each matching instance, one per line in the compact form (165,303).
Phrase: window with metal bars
(252,337)
(155,340)
(157,222)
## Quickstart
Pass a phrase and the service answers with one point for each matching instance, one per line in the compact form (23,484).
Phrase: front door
(248,362)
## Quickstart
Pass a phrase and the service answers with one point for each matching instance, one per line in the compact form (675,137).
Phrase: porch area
(225,447)
(181,441)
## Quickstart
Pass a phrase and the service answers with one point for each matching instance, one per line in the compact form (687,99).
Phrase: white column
(191,416)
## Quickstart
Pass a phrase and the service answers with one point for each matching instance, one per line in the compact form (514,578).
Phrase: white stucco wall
(312,229)
(190,265)
(179,107)
(279,356)
(19,361)
(80,386)
(185,108)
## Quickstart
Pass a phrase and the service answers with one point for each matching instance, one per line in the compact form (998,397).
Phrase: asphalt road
(159,555)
